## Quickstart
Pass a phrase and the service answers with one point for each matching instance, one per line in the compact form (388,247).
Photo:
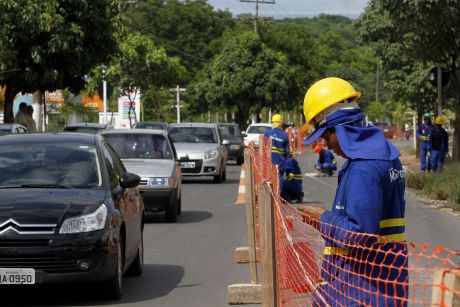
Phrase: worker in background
(365,255)
(424,135)
(30,119)
(280,144)
(326,163)
(292,190)
(439,144)
(21,115)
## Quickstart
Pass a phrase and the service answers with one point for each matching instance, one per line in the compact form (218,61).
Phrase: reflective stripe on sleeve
(397,237)
(332,250)
(392,223)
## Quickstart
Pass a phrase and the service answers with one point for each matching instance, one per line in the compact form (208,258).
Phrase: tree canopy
(52,44)
(411,37)
(246,76)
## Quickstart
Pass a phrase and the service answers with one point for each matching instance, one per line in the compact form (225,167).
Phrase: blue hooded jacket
(365,254)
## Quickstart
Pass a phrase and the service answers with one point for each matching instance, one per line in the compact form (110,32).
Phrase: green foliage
(186,29)
(141,65)
(411,37)
(376,111)
(246,76)
(52,44)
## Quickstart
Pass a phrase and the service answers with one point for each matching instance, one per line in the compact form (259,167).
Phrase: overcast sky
(294,8)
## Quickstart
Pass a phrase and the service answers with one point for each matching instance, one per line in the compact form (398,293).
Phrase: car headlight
(85,223)
(165,181)
(210,154)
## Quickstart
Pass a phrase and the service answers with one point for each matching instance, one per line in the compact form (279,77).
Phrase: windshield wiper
(46,185)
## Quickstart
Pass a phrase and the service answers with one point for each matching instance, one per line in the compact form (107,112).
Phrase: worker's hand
(313,212)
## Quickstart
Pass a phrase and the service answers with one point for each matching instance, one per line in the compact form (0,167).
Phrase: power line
(194,57)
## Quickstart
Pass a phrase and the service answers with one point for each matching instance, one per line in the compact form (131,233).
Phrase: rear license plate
(187,164)
(13,276)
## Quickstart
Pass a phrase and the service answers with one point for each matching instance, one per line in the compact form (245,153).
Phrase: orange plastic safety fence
(352,268)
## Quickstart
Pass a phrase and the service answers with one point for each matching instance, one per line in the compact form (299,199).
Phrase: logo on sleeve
(396,174)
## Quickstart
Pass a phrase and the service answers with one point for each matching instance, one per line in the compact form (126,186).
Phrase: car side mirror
(184,158)
(243,134)
(129,180)
(225,142)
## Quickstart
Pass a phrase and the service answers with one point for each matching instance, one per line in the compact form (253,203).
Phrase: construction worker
(424,135)
(439,144)
(365,255)
(21,116)
(280,144)
(292,186)
(326,163)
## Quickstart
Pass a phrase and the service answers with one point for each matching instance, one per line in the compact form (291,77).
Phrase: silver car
(150,154)
(203,149)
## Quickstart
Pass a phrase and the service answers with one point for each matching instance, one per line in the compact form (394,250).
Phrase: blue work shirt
(293,181)
(358,268)
(326,158)
(280,145)
(424,132)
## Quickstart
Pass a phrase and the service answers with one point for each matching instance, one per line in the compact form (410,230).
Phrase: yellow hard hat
(439,120)
(326,93)
(277,118)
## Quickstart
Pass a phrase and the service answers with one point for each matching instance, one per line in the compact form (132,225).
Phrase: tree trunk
(10,93)
(456,137)
(242,115)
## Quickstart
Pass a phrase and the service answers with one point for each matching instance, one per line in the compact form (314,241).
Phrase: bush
(440,186)
(416,181)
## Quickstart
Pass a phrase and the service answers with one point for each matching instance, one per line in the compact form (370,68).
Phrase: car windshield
(145,125)
(193,135)
(92,130)
(140,146)
(229,131)
(6,128)
(43,165)
(258,129)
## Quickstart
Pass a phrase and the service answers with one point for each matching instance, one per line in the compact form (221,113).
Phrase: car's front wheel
(218,177)
(179,206)
(172,211)
(240,160)
(114,287)
(137,267)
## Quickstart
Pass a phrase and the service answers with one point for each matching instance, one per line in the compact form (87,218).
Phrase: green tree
(376,111)
(186,29)
(143,66)
(51,44)
(419,32)
(246,76)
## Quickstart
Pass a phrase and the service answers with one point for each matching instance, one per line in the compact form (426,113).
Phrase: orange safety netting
(358,269)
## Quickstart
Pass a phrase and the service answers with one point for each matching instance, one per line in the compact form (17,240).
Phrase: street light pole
(178,89)
(104,94)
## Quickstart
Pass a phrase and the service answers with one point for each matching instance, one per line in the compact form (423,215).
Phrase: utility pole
(377,83)
(178,89)
(439,86)
(257,9)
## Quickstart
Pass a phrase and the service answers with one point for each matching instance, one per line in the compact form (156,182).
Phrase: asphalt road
(191,263)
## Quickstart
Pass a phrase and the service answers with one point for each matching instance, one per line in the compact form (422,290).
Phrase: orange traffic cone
(241,198)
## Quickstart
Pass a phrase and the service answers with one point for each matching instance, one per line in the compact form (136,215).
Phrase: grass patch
(440,186)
